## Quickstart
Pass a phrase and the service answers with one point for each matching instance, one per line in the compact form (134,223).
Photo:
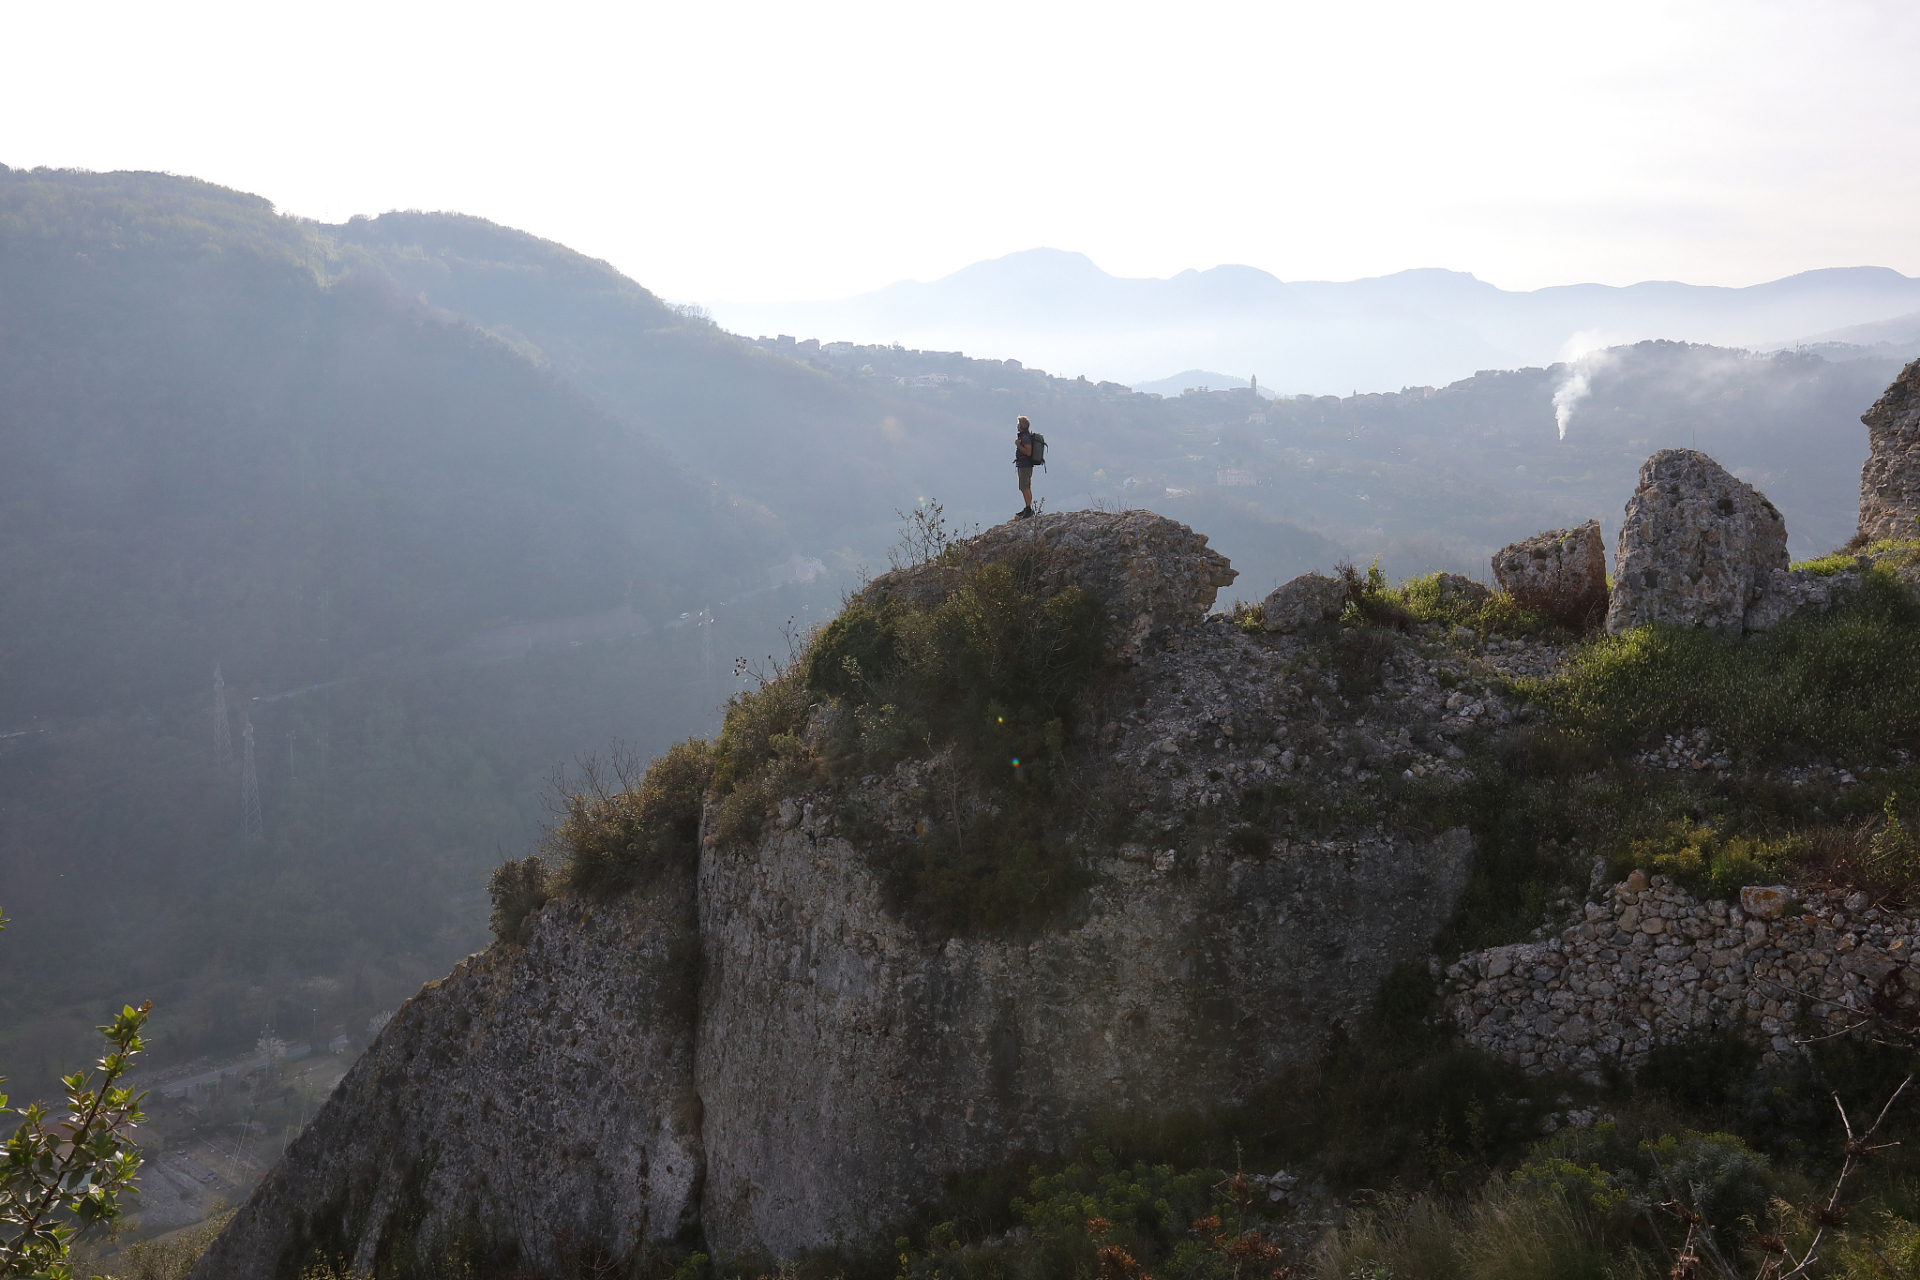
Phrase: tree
(59,1179)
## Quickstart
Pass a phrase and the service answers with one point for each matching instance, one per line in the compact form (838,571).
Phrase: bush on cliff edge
(615,830)
(987,686)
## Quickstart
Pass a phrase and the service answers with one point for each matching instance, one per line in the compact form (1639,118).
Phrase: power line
(250,792)
(222,735)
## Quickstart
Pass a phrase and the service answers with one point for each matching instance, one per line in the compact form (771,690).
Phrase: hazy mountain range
(1060,311)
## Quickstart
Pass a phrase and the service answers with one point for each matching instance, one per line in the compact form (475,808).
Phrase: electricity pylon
(250,791)
(222,735)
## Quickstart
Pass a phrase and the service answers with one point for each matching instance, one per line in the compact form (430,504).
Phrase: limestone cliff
(537,1104)
(1890,478)
(772,1050)
(847,1063)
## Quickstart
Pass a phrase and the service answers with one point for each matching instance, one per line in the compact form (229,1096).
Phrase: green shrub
(996,669)
(1702,1072)
(519,889)
(758,724)
(173,1257)
(990,682)
(1503,1232)
(616,833)
(1586,1187)
(1846,683)
(1716,1175)
(1369,601)
(1711,864)
(1008,868)
(1495,613)
(1102,1217)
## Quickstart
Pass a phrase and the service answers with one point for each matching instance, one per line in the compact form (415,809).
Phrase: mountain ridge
(1421,325)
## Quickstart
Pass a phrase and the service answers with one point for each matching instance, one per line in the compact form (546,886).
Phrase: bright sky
(757,151)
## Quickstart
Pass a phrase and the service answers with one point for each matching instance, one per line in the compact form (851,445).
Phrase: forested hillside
(225,440)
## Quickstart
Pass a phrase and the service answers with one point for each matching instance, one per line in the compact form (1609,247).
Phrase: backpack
(1039,449)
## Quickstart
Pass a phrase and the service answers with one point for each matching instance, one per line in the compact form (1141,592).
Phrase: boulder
(1890,479)
(1309,598)
(1153,573)
(1697,547)
(1562,573)
(1457,588)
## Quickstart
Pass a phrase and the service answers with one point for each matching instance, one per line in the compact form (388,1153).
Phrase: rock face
(1154,573)
(1309,598)
(847,1064)
(1890,479)
(1561,573)
(536,1103)
(769,1050)
(1653,962)
(1788,591)
(1697,547)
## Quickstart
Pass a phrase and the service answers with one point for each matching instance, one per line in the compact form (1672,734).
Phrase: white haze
(775,150)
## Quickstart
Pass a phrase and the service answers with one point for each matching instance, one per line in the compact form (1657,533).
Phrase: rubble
(1788,591)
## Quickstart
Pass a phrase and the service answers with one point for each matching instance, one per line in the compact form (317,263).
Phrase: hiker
(1023,460)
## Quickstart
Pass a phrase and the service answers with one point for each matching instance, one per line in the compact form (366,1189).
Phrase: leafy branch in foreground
(59,1179)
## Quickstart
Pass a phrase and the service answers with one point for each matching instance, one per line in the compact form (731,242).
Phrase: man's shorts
(1026,477)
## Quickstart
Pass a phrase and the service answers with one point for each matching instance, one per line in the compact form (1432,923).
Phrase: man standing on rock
(1023,461)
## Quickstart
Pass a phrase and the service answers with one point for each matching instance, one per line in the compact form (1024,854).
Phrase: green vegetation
(1464,1184)
(172,1258)
(232,440)
(518,888)
(1886,553)
(1710,864)
(1433,598)
(985,685)
(1113,1220)
(1844,684)
(617,831)
(60,1180)
(989,681)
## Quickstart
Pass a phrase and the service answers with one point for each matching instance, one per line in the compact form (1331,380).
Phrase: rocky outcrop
(1309,598)
(848,1064)
(538,1103)
(1697,547)
(1561,573)
(1458,589)
(836,1060)
(1890,479)
(1152,572)
(1789,591)
(1651,963)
